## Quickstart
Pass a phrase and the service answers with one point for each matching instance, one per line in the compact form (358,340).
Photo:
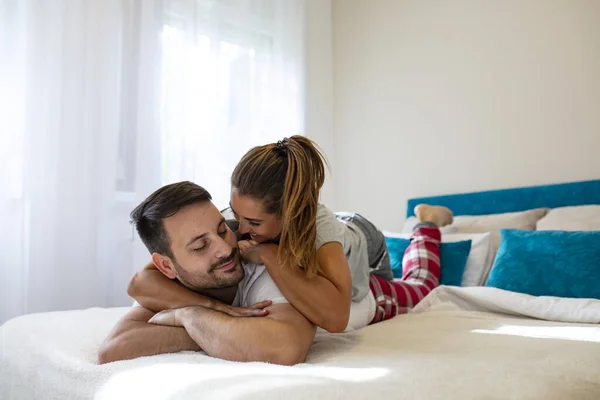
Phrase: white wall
(319,86)
(436,97)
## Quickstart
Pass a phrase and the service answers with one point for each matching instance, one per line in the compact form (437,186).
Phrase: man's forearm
(155,292)
(242,339)
(133,337)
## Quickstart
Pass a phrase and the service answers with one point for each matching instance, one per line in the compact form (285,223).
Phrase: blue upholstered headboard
(512,200)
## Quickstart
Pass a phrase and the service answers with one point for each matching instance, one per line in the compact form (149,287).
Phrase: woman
(320,260)
(333,268)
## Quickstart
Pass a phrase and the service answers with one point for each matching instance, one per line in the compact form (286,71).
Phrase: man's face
(205,250)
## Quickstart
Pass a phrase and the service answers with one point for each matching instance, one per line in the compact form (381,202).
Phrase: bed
(459,343)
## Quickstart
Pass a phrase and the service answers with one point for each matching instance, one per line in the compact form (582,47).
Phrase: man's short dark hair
(163,203)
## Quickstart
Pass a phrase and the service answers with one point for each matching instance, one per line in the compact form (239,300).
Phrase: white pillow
(494,222)
(480,258)
(409,225)
(577,218)
(489,223)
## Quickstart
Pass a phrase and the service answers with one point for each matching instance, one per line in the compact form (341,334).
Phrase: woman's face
(261,226)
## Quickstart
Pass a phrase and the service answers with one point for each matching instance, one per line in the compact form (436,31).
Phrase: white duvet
(460,343)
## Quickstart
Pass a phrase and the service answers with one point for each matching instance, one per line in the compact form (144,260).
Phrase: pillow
(579,218)
(487,223)
(453,259)
(480,257)
(548,263)
(490,223)
(493,222)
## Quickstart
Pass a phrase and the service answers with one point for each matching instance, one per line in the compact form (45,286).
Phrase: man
(191,244)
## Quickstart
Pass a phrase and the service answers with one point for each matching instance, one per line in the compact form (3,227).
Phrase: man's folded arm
(134,337)
(283,337)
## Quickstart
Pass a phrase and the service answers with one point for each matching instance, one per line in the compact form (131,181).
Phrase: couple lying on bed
(299,266)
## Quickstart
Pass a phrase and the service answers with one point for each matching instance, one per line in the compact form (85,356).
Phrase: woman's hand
(253,252)
(173,317)
(257,310)
(250,251)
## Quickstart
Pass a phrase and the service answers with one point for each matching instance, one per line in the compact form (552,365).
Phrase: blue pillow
(453,259)
(548,263)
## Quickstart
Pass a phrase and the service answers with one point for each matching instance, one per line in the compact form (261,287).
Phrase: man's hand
(177,316)
(169,317)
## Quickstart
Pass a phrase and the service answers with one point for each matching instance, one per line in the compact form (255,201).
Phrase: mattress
(459,343)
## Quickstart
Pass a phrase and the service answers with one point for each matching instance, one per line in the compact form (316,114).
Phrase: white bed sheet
(462,343)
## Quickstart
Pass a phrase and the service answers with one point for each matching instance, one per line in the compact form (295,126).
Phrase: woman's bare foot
(438,215)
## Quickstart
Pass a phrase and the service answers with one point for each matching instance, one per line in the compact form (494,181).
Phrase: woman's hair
(287,177)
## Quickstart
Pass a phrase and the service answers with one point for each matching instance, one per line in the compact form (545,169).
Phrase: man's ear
(164,265)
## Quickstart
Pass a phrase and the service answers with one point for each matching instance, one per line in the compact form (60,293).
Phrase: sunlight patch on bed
(583,334)
(165,380)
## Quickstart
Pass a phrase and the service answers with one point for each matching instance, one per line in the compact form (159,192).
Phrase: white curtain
(102,102)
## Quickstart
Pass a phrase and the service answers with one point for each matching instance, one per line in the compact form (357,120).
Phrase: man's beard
(212,280)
